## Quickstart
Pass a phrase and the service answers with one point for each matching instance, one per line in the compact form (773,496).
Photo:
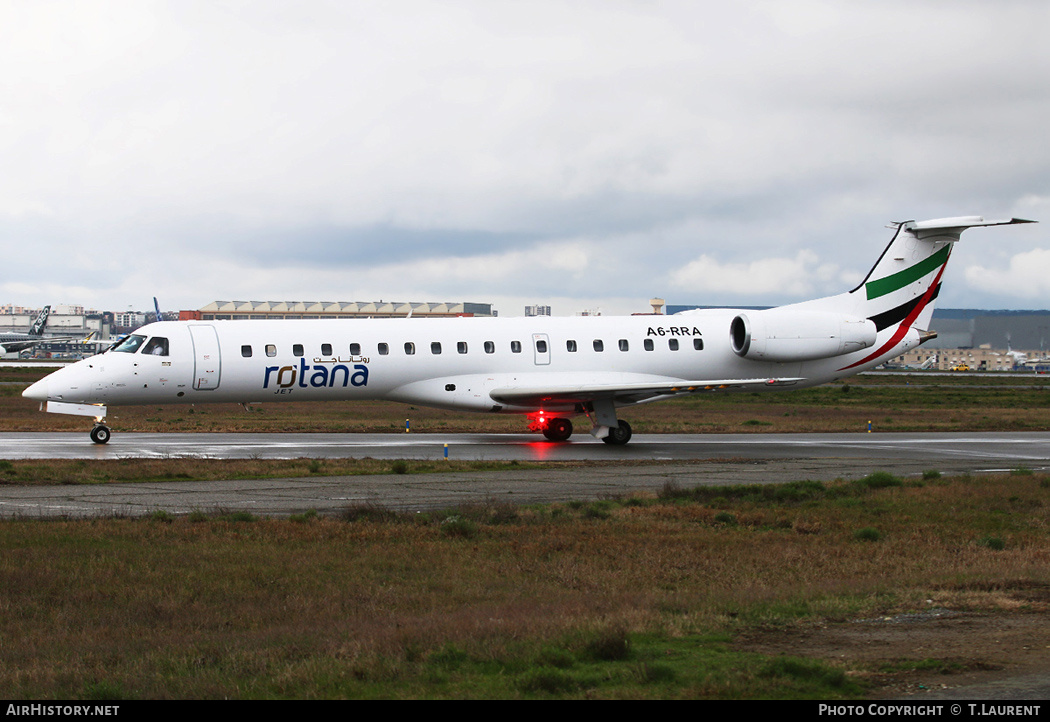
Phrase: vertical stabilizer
(907,277)
(37,329)
(898,293)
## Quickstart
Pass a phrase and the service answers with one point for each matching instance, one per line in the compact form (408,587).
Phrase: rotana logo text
(319,376)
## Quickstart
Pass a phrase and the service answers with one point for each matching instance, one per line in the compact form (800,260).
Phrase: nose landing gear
(100,434)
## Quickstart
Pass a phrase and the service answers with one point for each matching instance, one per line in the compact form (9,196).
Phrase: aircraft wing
(625,393)
(22,345)
(16,346)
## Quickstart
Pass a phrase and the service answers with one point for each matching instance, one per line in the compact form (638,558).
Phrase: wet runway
(1003,450)
(654,461)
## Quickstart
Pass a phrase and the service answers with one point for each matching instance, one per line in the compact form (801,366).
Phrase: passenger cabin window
(157,346)
(515,346)
(648,344)
(326,349)
(271,350)
(570,346)
(541,346)
(297,349)
(672,343)
(622,343)
(410,348)
(435,347)
(598,345)
(355,349)
(130,344)
(246,351)
(698,344)
(461,346)
(383,349)
(490,347)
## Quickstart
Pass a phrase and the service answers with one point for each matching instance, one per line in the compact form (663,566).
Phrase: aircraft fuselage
(449,363)
(534,365)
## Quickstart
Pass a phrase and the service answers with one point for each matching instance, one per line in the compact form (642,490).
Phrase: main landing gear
(618,435)
(100,434)
(602,414)
(559,429)
(613,431)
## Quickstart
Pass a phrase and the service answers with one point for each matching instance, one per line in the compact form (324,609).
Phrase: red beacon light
(538,421)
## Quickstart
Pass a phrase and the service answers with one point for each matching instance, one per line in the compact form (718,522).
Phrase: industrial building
(234,310)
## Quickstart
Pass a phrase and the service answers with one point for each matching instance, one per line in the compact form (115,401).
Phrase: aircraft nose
(37,392)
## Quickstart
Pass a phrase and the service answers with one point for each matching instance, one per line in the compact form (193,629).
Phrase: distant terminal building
(970,359)
(969,328)
(130,319)
(71,331)
(537,310)
(63,321)
(255,310)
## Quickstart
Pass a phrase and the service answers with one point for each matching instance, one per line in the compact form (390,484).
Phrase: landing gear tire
(558,430)
(618,435)
(100,434)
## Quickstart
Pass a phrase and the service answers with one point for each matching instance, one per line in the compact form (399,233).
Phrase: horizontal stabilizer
(925,228)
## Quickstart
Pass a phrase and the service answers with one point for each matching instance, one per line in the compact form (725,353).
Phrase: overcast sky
(585,155)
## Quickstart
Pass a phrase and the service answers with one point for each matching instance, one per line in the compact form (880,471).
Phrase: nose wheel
(100,434)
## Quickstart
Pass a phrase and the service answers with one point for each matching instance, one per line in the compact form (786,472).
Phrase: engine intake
(785,335)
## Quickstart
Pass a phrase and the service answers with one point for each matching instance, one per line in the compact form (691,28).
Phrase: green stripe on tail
(899,280)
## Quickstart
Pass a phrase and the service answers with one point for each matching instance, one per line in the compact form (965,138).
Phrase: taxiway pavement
(649,462)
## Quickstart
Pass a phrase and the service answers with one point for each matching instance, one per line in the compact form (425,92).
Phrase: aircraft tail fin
(906,279)
(37,329)
(898,293)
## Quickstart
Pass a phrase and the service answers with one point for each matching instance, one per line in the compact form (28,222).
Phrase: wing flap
(627,393)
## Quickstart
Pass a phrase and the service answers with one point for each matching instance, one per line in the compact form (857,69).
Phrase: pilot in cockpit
(156,346)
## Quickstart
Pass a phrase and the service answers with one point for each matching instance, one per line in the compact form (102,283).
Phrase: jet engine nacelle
(788,335)
(2,350)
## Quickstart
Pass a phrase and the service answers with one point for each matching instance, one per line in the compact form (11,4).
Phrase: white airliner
(15,342)
(546,368)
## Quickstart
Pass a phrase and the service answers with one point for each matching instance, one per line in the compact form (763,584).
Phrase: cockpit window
(130,344)
(157,346)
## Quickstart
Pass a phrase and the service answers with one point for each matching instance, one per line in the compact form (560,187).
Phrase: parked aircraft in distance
(547,368)
(15,342)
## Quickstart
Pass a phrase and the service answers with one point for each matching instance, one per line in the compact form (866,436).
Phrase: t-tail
(899,292)
(887,314)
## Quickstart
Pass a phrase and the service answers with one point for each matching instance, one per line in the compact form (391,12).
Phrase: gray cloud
(200,150)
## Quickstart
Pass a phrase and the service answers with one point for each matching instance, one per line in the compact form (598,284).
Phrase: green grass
(32,472)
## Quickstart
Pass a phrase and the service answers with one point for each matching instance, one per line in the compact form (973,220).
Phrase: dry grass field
(675,596)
